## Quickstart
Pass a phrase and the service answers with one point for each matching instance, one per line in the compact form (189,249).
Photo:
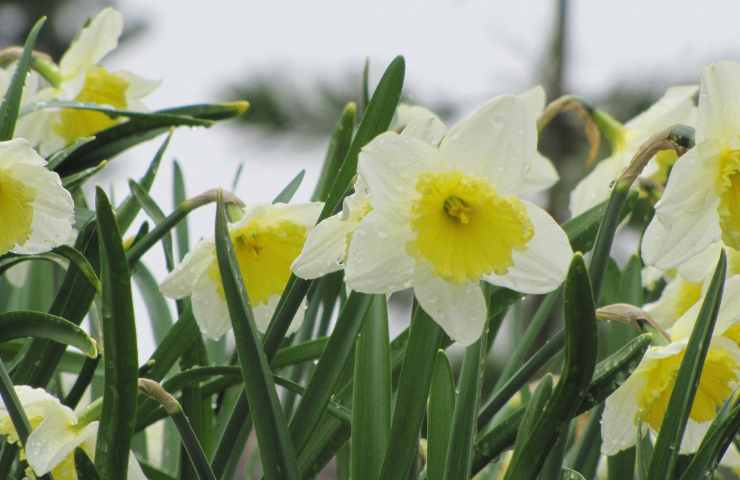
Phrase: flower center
(101,87)
(463,228)
(715,386)
(729,194)
(16,211)
(264,251)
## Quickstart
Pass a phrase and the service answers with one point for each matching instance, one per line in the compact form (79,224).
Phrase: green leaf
(20,324)
(158,312)
(582,230)
(115,113)
(286,194)
(303,352)
(112,141)
(716,441)
(76,180)
(11,102)
(84,467)
(371,404)
(61,252)
(337,151)
(413,386)
(622,465)
(276,450)
(578,368)
(535,409)
(665,454)
(157,215)
(568,474)
(439,421)
(333,408)
(464,419)
(330,366)
(644,453)
(58,157)
(179,338)
(179,196)
(119,347)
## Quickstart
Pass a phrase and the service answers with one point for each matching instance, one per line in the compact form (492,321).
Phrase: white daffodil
(644,397)
(328,244)
(266,241)
(676,106)
(82,79)
(36,212)
(56,430)
(701,203)
(446,216)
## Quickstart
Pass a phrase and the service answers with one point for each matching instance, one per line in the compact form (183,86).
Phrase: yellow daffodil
(644,397)
(447,215)
(701,203)
(266,240)
(328,244)
(676,106)
(56,430)
(36,212)
(82,79)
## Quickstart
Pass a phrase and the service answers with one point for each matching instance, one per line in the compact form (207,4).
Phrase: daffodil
(701,203)
(643,398)
(328,244)
(676,106)
(266,240)
(36,212)
(82,79)
(446,216)
(56,431)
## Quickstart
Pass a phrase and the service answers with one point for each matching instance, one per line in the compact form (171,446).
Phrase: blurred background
(298,63)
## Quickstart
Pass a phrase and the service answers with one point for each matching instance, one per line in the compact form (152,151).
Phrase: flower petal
(596,187)
(181,281)
(675,106)
(93,43)
(377,261)
(459,308)
(19,151)
(541,175)
(542,266)
(390,164)
(619,420)
(325,248)
(497,142)
(686,219)
(54,439)
(534,99)
(719,102)
(209,308)
(419,122)
(263,313)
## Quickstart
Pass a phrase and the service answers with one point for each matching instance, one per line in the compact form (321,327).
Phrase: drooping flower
(82,79)
(644,396)
(266,240)
(328,244)
(447,215)
(56,430)
(676,106)
(701,203)
(36,212)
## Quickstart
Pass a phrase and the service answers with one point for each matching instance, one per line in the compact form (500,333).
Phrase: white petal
(719,102)
(619,420)
(534,98)
(19,151)
(93,43)
(181,281)
(541,176)
(54,439)
(675,106)
(664,310)
(209,308)
(698,267)
(693,435)
(729,310)
(377,261)
(390,164)
(459,308)
(497,142)
(38,128)
(543,265)
(596,187)
(53,209)
(419,122)
(30,397)
(263,314)
(304,214)
(138,87)
(134,469)
(686,219)
(325,248)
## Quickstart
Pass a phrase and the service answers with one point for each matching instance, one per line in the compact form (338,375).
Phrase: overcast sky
(459,50)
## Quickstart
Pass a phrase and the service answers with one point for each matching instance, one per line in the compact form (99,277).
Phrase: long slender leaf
(286,194)
(276,449)
(119,344)
(439,421)
(371,404)
(159,313)
(716,441)
(665,454)
(10,107)
(20,324)
(158,217)
(182,235)
(84,467)
(337,151)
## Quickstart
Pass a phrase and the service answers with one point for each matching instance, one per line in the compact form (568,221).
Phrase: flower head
(701,203)
(447,214)
(83,79)
(266,241)
(37,212)
(676,106)
(56,433)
